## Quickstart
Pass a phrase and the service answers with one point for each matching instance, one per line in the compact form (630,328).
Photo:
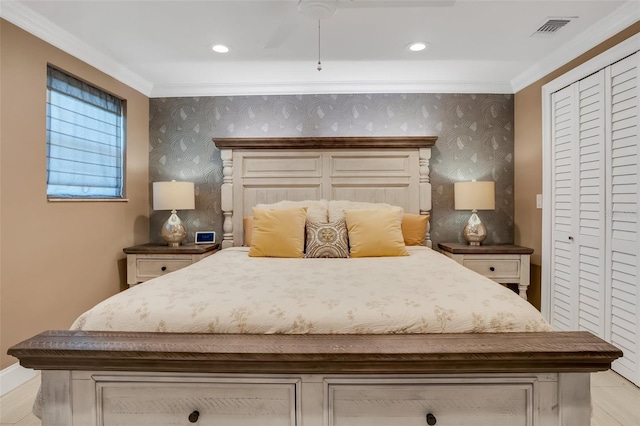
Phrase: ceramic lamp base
(474,231)
(174,230)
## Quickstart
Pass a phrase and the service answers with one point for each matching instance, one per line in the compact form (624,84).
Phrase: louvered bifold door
(563,315)
(589,244)
(623,224)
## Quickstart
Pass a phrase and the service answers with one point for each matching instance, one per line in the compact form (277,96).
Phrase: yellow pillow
(278,232)
(414,228)
(375,232)
(247,227)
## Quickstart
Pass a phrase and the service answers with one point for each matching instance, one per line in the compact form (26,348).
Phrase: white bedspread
(230,292)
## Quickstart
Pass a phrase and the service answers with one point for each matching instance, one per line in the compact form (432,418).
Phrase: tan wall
(528,159)
(57,259)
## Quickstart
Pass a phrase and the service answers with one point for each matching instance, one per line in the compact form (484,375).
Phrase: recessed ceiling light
(220,48)
(418,46)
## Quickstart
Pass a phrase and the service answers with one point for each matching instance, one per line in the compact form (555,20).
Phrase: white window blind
(85,141)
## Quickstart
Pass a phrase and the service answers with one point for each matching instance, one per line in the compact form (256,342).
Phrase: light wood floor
(616,401)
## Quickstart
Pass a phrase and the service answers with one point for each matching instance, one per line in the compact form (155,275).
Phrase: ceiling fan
(323,9)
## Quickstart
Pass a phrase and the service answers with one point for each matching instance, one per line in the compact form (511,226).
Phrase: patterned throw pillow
(327,239)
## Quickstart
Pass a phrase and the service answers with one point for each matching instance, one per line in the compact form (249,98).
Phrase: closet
(591,230)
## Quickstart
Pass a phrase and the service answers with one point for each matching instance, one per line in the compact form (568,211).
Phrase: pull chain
(319,68)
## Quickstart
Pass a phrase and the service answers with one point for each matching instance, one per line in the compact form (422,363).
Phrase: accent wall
(475,141)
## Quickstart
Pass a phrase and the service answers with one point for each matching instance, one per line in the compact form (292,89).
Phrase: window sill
(89,200)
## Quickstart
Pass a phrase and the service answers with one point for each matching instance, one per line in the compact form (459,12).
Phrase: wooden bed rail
(337,142)
(328,354)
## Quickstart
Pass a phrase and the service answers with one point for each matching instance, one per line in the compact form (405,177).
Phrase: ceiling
(162,48)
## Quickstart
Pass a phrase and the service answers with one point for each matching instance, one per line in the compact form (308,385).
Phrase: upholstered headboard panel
(392,170)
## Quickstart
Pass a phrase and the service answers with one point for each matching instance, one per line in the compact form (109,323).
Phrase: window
(85,142)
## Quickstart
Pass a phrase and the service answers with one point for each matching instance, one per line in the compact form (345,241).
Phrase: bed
(410,340)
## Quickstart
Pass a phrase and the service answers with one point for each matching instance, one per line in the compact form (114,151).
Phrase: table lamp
(474,196)
(173,196)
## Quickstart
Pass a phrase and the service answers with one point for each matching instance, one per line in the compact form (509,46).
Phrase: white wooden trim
(574,399)
(226,196)
(57,391)
(13,376)
(617,52)
(547,149)
(330,87)
(597,63)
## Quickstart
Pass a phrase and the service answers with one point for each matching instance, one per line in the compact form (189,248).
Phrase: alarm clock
(205,237)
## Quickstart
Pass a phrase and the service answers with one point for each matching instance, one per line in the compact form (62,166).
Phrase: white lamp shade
(474,195)
(174,196)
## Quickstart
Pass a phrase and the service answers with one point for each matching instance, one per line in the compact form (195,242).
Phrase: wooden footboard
(117,378)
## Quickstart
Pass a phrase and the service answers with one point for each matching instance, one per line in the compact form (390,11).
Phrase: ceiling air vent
(551,26)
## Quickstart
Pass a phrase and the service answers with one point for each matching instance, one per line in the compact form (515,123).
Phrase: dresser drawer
(495,268)
(154,267)
(164,404)
(449,404)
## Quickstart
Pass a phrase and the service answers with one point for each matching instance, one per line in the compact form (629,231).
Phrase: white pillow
(317,210)
(337,208)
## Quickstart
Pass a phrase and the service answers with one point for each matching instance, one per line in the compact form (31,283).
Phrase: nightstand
(503,263)
(148,261)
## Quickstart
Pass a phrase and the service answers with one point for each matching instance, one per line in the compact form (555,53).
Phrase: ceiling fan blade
(289,24)
(363,4)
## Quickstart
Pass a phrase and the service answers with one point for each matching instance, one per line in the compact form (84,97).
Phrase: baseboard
(14,376)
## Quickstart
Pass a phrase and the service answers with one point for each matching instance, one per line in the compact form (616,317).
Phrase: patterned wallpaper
(475,141)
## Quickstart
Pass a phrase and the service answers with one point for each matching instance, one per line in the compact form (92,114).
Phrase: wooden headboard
(392,170)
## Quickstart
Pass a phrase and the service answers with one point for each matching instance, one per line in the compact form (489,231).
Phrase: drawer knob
(193,417)
(492,269)
(164,268)
(431,419)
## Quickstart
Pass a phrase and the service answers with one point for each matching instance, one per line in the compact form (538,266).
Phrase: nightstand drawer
(495,268)
(147,261)
(150,268)
(506,264)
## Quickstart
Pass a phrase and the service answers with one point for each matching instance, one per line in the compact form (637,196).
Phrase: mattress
(230,292)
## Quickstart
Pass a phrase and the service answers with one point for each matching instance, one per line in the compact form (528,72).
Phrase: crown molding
(621,18)
(343,87)
(32,22)
(24,17)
